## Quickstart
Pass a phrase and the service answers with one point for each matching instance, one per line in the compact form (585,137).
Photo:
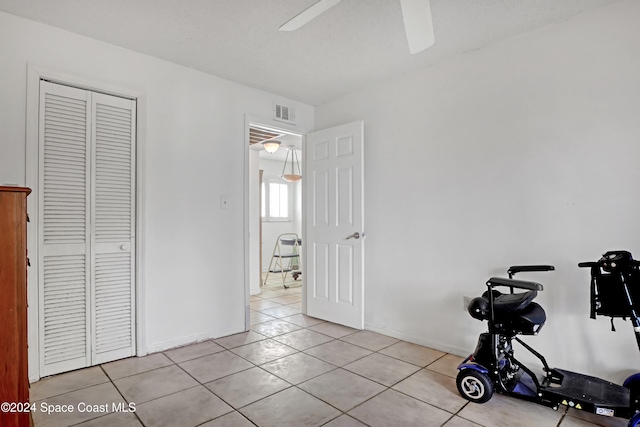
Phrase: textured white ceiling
(354,44)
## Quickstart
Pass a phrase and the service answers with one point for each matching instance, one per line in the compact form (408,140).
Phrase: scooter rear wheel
(474,386)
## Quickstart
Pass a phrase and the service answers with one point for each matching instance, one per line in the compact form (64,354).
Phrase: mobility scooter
(615,292)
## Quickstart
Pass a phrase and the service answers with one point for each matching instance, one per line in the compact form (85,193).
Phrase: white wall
(194,152)
(526,151)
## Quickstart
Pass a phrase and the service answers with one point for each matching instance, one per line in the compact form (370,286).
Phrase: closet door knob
(123,247)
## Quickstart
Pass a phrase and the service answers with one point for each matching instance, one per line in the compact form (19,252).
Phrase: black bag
(608,279)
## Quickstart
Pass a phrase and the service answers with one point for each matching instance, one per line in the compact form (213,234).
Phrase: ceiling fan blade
(307,15)
(418,24)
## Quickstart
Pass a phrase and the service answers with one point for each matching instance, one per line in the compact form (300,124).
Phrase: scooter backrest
(609,276)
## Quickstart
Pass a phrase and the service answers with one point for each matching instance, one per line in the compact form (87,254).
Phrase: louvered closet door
(112,257)
(86,211)
(65,115)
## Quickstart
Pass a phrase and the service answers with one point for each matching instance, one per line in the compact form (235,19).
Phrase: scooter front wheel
(633,384)
(634,421)
(474,385)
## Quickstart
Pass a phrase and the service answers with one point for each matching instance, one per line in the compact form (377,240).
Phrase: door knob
(123,247)
(355,235)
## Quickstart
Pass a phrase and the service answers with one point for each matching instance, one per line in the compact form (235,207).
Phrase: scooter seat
(527,321)
(531,315)
(507,303)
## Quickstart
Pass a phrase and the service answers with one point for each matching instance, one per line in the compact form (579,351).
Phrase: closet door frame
(35,74)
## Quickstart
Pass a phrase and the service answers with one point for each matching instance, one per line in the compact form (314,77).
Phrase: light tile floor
(289,370)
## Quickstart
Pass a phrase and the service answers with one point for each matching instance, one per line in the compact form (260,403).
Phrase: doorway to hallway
(275,206)
(331,218)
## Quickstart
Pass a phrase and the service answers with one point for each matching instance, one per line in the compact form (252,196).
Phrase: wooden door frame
(36,73)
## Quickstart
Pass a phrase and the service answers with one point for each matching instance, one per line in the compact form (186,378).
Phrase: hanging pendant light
(271,145)
(291,177)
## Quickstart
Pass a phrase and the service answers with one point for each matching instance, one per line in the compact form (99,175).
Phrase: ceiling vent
(282,113)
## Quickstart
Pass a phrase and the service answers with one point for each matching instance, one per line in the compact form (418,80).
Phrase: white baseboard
(189,339)
(420,340)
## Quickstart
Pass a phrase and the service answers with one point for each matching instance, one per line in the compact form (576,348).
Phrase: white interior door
(85,228)
(333,185)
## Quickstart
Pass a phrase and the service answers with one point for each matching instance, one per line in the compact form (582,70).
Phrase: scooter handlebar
(590,264)
(587,264)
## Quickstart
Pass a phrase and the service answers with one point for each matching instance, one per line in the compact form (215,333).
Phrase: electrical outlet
(465,303)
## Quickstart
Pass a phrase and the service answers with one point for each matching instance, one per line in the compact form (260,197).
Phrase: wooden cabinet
(14,377)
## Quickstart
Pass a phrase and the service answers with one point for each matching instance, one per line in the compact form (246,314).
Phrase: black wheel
(474,386)
(633,384)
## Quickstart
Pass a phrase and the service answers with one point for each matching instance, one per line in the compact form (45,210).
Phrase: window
(275,201)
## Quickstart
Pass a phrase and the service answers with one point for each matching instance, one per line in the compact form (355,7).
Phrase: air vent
(283,113)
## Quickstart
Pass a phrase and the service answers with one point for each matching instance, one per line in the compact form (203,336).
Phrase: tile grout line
(71,391)
(386,387)
(120,393)
(347,370)
(297,351)
(335,367)
(296,386)
(199,384)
